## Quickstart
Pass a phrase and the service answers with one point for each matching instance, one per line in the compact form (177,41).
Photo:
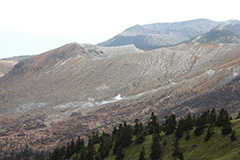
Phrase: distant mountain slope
(6,66)
(234,28)
(218,36)
(17,58)
(156,35)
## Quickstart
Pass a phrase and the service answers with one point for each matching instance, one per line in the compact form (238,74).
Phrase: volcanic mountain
(152,36)
(78,88)
(6,66)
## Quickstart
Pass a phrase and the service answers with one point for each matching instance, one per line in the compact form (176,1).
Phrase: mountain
(234,27)
(75,89)
(17,58)
(6,66)
(218,36)
(152,36)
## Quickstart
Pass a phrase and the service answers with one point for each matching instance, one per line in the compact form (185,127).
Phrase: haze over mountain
(152,36)
(72,90)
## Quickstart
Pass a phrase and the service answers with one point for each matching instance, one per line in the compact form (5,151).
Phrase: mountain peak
(156,35)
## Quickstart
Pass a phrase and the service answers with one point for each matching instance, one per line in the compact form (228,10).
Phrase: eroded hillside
(78,88)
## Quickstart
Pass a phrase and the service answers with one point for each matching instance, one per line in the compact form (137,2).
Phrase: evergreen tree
(170,124)
(142,154)
(205,117)
(55,154)
(153,126)
(213,116)
(156,152)
(188,124)
(200,124)
(104,147)
(116,146)
(136,127)
(226,126)
(233,136)
(123,137)
(79,144)
(187,136)
(68,151)
(223,115)
(209,133)
(140,138)
(180,128)
(120,154)
(176,151)
(72,148)
(83,154)
(90,150)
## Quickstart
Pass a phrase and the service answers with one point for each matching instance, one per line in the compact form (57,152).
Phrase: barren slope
(6,66)
(78,88)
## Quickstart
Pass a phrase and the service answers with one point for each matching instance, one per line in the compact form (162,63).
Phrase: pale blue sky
(94,21)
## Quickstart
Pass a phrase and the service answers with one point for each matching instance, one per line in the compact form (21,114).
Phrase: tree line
(99,145)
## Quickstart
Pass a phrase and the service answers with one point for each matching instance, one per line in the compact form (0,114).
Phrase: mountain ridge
(157,35)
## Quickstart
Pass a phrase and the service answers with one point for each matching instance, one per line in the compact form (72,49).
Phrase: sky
(94,21)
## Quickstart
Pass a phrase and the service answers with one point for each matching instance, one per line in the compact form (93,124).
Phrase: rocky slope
(6,66)
(77,88)
(152,36)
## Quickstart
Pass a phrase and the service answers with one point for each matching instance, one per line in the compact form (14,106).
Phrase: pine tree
(213,116)
(136,127)
(142,154)
(199,122)
(170,124)
(156,152)
(180,128)
(123,137)
(227,127)
(233,136)
(79,144)
(176,151)
(223,115)
(120,154)
(209,133)
(153,126)
(55,154)
(187,136)
(68,152)
(188,124)
(72,148)
(140,138)
(104,147)
(90,150)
